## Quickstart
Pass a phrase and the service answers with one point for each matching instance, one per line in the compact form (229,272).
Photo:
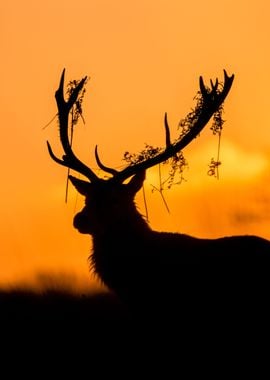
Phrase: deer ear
(81,186)
(136,182)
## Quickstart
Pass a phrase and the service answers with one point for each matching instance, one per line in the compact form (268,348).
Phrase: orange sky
(144,57)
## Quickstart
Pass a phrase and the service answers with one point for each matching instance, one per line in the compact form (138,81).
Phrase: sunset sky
(143,58)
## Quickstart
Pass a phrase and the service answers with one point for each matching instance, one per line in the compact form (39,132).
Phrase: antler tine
(203,89)
(102,166)
(167,131)
(69,159)
(211,101)
(214,86)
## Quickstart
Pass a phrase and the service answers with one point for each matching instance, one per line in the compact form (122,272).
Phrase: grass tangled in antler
(178,163)
(76,113)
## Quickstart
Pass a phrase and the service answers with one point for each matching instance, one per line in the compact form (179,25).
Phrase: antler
(69,159)
(211,101)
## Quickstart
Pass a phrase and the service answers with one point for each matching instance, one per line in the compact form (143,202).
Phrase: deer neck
(115,242)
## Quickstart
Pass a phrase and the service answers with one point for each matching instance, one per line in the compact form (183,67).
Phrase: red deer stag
(159,268)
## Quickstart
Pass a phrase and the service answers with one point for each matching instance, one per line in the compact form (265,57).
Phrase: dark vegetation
(61,322)
(61,330)
(99,312)
(59,305)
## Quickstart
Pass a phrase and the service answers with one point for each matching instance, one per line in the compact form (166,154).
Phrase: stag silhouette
(153,268)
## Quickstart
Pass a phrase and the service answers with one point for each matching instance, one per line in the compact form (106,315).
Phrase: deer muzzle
(81,223)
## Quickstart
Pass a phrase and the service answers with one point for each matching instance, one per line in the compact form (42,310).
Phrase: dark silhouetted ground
(53,305)
(57,313)
(57,329)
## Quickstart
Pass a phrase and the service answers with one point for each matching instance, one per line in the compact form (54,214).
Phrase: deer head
(113,193)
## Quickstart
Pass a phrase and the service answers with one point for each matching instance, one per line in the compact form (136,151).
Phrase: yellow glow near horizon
(143,58)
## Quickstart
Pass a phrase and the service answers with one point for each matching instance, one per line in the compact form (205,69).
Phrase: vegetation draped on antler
(209,103)
(69,159)
(177,161)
